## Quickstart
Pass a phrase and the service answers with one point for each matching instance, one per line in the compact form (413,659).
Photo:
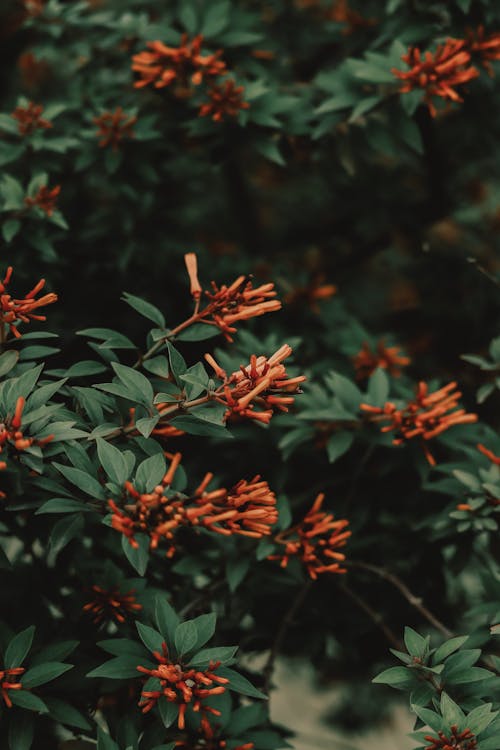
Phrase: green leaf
(397,677)
(145,308)
(378,388)
(137,557)
(338,444)
(104,741)
(185,638)
(82,480)
(8,360)
(18,648)
(150,472)
(21,731)
(169,711)
(198,332)
(10,228)
(416,644)
(224,654)
(205,626)
(24,699)
(177,362)
(63,505)
(150,637)
(452,714)
(64,531)
(64,713)
(44,673)
(448,648)
(135,382)
(112,461)
(166,619)
(239,684)
(119,668)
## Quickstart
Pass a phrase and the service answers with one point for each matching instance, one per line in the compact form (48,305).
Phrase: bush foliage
(266,370)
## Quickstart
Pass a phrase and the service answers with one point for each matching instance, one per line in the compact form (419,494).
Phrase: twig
(282,630)
(376,617)
(415,601)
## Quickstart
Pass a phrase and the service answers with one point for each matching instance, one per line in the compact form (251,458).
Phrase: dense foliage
(293,402)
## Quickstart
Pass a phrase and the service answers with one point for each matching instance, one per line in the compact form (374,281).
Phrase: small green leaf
(169,711)
(150,637)
(186,636)
(18,648)
(239,684)
(145,308)
(43,673)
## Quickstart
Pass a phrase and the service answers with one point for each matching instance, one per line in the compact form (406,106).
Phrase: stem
(170,412)
(376,617)
(286,622)
(195,317)
(415,601)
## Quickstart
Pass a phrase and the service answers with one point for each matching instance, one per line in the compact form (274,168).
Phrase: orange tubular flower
(248,509)
(111,604)
(312,293)
(263,383)
(228,304)
(489,454)
(226,100)
(34,8)
(315,541)
(181,685)
(13,310)
(11,433)
(461,740)
(46,199)
(427,416)
(439,73)
(113,127)
(30,119)
(485,46)
(8,682)
(160,65)
(386,357)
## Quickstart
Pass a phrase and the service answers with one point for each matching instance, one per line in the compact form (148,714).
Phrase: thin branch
(375,616)
(286,622)
(410,597)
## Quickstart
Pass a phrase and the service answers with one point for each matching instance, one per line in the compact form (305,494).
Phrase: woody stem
(173,332)
(170,412)
(410,597)
(376,617)
(286,622)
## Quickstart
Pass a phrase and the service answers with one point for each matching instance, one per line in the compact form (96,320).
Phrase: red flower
(11,433)
(229,304)
(30,118)
(45,199)
(485,46)
(427,416)
(162,65)
(439,73)
(226,100)
(455,741)
(315,541)
(247,509)
(6,683)
(264,383)
(489,454)
(113,127)
(386,357)
(111,604)
(34,8)
(182,685)
(21,310)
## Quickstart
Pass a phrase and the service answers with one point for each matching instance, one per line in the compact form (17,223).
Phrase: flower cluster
(45,199)
(14,310)
(186,66)
(386,357)
(315,541)
(8,682)
(427,416)
(438,73)
(181,685)
(29,118)
(260,388)
(11,434)
(111,604)
(247,509)
(485,46)
(455,741)
(113,127)
(230,304)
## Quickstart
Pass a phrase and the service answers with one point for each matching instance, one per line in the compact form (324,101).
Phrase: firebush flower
(29,118)
(45,199)
(113,127)
(485,46)
(311,293)
(8,681)
(489,454)
(229,304)
(226,100)
(454,741)
(182,685)
(247,509)
(111,604)
(315,541)
(13,311)
(439,73)
(259,389)
(11,434)
(160,65)
(426,417)
(386,357)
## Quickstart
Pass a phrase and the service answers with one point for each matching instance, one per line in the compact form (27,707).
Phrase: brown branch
(410,597)
(375,616)
(286,622)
